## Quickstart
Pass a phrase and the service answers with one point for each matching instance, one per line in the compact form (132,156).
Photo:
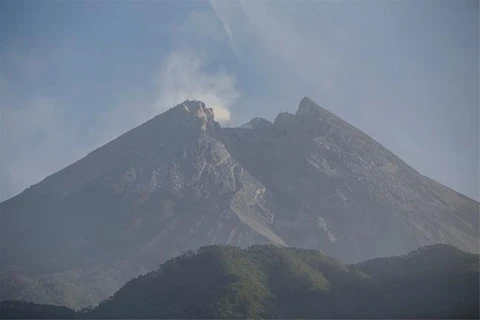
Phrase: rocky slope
(337,189)
(180,181)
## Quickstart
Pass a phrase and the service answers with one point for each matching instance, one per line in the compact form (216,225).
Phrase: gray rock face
(338,190)
(180,181)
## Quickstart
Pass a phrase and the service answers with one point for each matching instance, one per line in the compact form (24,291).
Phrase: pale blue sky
(74,75)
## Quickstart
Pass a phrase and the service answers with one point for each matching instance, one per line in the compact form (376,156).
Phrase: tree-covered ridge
(278,282)
(266,281)
(438,258)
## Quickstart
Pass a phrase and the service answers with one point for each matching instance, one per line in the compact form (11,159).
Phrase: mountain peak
(194,112)
(307,107)
(257,123)
(191,105)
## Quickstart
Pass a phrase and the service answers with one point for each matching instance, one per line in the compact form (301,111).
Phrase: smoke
(184,76)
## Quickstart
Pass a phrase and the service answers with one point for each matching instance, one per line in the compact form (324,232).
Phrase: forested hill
(262,281)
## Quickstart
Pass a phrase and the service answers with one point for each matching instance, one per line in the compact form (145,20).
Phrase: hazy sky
(76,74)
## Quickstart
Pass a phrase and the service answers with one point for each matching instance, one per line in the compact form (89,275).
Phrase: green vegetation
(276,282)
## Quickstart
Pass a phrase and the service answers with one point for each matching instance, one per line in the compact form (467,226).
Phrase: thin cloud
(218,9)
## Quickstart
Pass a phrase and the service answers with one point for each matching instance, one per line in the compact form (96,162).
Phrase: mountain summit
(180,181)
(308,107)
(194,112)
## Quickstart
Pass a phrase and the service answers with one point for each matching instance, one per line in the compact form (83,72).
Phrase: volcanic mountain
(180,181)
